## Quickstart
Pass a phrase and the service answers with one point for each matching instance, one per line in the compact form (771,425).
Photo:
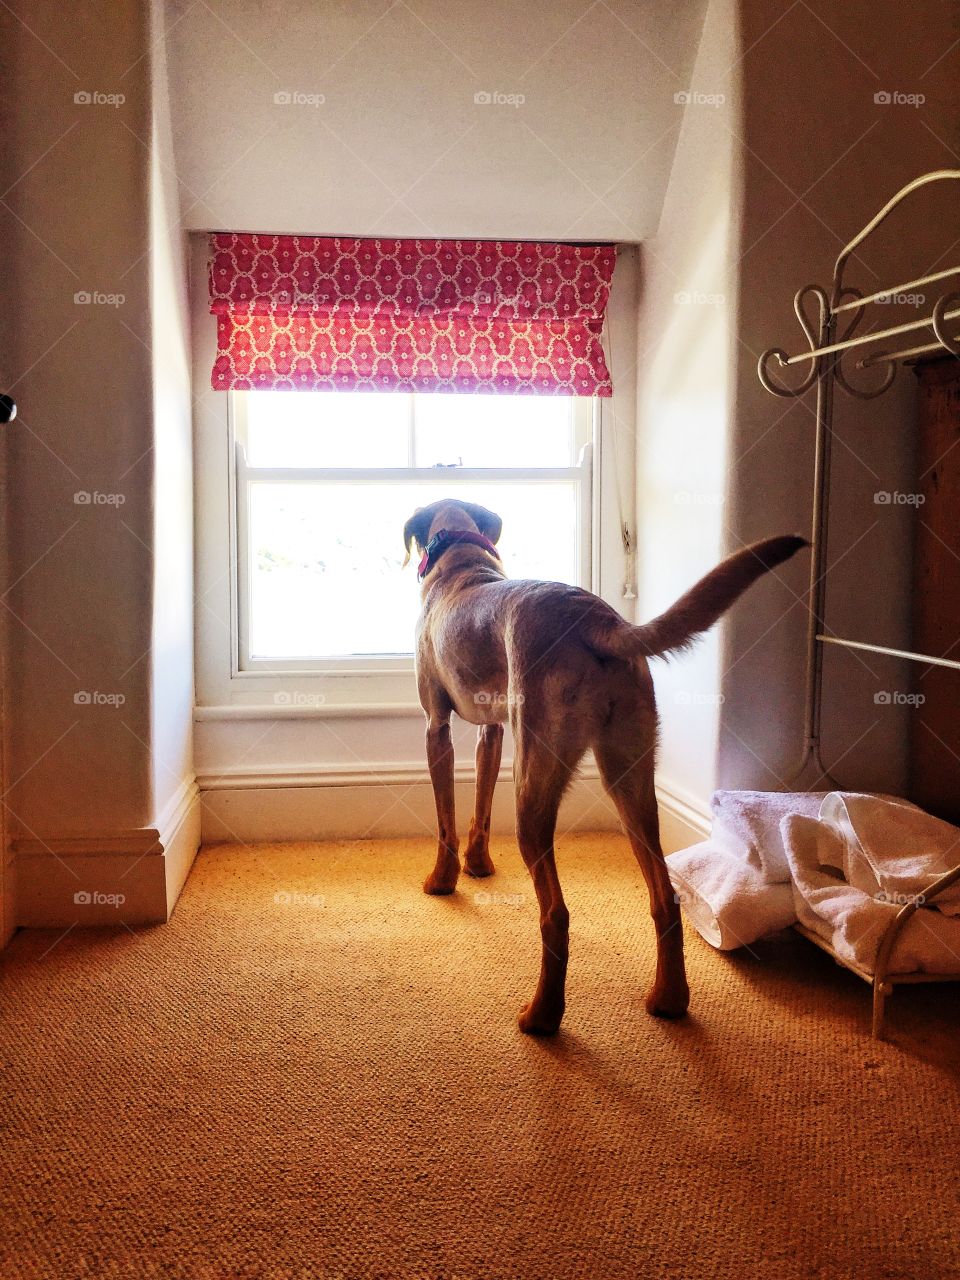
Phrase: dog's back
(495,640)
(569,673)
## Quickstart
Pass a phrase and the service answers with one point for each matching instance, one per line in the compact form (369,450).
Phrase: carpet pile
(313,1072)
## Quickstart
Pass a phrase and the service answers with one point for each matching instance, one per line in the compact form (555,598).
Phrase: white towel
(725,898)
(891,847)
(861,853)
(853,921)
(747,823)
(735,887)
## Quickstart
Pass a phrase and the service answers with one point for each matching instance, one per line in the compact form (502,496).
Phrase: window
(324,482)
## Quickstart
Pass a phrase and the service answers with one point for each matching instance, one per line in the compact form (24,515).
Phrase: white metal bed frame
(827,347)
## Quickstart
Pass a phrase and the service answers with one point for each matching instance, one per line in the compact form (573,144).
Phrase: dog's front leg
(443,877)
(477,861)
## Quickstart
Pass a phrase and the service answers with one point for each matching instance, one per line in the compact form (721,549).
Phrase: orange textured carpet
(333,1086)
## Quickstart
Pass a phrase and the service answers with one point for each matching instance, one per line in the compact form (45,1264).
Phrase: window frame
(585,425)
(255,717)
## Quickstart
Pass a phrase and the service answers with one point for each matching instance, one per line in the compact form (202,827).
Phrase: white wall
(80,590)
(91,380)
(172,657)
(821,158)
(764,192)
(399,146)
(689,315)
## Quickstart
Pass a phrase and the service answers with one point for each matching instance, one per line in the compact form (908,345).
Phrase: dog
(569,673)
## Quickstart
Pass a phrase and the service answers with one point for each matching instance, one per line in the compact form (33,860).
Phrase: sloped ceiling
(362,116)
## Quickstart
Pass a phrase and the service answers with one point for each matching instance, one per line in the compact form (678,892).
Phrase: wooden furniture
(935,723)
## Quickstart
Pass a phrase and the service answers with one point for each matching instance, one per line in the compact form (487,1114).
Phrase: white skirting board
(683,820)
(123,877)
(135,877)
(318,803)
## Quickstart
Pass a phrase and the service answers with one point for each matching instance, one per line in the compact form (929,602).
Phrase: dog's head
(449,513)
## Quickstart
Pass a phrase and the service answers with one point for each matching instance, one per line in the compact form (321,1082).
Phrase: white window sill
(338,668)
(313,707)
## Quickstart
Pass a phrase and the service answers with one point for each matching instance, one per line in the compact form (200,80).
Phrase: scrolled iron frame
(825,355)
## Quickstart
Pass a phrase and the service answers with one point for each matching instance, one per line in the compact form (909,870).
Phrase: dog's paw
(538,1022)
(479,865)
(438,886)
(668,1005)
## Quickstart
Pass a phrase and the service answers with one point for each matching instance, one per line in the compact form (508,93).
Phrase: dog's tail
(700,608)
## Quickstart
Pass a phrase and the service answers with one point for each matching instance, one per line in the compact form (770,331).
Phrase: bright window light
(326,481)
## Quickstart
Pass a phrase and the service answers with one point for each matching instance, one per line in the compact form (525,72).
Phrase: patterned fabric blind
(315,313)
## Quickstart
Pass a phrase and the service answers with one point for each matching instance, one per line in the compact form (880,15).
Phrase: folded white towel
(725,898)
(851,862)
(747,823)
(853,921)
(890,846)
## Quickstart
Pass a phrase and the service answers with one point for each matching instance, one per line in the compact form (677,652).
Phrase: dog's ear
(417,527)
(488,522)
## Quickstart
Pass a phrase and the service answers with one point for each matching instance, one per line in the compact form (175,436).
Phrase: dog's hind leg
(443,877)
(626,767)
(477,861)
(540,778)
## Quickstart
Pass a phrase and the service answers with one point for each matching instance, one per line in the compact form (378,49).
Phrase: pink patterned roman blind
(340,314)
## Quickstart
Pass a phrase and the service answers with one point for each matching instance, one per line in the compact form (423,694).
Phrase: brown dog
(569,673)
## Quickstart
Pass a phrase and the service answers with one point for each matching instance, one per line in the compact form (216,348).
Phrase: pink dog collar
(448,538)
